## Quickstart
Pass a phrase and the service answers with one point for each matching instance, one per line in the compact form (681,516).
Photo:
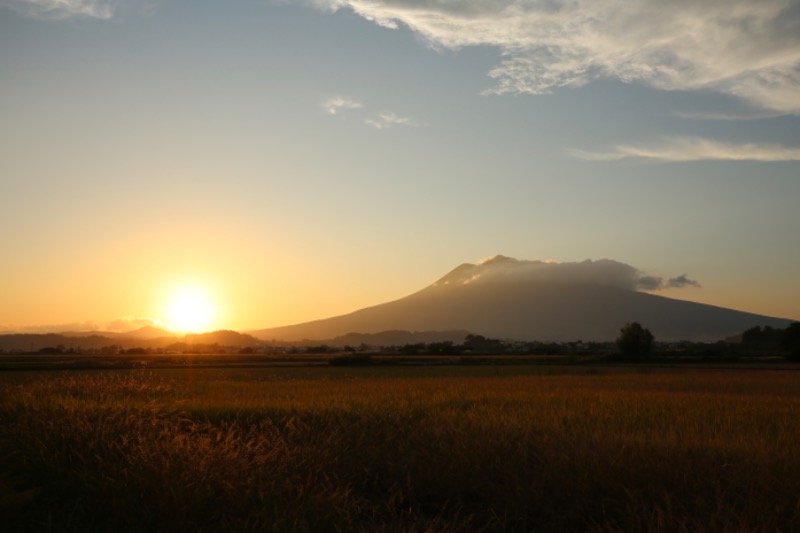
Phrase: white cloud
(501,269)
(387,120)
(739,47)
(728,116)
(63,9)
(694,149)
(339,105)
(335,105)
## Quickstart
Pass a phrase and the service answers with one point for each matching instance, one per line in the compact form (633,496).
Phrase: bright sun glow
(190,309)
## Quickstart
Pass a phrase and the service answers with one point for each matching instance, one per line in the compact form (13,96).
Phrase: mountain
(398,338)
(96,333)
(532,300)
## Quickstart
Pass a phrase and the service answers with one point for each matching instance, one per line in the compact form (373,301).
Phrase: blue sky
(305,159)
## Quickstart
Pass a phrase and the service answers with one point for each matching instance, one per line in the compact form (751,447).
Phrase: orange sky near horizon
(126,294)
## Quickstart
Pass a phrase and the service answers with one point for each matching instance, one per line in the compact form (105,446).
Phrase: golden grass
(370,450)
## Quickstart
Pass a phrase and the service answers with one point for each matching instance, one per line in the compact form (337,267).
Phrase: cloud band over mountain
(607,272)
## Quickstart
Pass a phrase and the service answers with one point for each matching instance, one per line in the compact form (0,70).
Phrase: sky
(285,161)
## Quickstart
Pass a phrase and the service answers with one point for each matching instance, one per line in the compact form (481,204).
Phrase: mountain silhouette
(531,300)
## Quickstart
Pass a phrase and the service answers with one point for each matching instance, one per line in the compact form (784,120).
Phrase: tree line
(634,342)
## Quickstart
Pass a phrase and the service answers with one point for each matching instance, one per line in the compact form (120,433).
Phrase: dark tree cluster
(773,341)
(635,341)
(480,345)
(322,349)
(56,350)
(791,341)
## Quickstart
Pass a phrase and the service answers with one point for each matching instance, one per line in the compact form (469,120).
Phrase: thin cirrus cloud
(62,9)
(338,104)
(341,106)
(728,116)
(681,149)
(387,120)
(739,47)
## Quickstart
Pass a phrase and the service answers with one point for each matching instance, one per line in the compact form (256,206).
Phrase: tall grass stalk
(360,451)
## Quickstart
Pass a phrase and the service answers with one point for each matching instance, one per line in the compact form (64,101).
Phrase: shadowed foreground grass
(364,450)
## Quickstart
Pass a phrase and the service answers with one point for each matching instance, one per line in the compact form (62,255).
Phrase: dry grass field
(458,448)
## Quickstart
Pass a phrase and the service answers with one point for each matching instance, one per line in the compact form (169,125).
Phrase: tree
(752,337)
(791,341)
(635,341)
(764,341)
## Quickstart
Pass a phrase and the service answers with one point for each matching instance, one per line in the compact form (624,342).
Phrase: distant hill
(509,299)
(151,338)
(31,342)
(148,332)
(106,334)
(145,332)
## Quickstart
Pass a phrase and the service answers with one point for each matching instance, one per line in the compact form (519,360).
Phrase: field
(413,448)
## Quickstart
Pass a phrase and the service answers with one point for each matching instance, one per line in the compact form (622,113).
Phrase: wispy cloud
(338,104)
(63,9)
(680,282)
(728,116)
(387,120)
(738,47)
(341,105)
(694,149)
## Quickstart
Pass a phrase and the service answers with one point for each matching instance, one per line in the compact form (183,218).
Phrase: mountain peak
(500,259)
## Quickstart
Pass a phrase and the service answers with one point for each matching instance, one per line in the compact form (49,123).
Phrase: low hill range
(507,298)
(153,338)
(145,332)
(148,337)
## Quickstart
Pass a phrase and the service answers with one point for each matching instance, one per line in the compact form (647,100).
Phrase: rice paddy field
(417,448)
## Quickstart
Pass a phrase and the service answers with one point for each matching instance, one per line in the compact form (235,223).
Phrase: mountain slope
(514,308)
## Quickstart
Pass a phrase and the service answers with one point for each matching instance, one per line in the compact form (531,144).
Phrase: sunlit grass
(369,450)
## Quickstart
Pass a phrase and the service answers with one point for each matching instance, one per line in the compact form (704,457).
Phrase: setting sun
(190,309)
